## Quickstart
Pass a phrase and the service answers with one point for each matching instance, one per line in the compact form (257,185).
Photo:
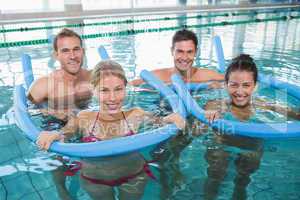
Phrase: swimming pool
(275,45)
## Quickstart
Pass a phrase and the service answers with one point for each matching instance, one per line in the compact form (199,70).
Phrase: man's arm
(38,92)
(215,76)
(204,75)
(212,76)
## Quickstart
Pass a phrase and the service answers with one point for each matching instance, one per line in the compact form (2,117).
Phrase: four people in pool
(69,88)
(129,171)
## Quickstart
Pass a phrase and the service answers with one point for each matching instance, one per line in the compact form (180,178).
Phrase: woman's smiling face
(240,87)
(111,92)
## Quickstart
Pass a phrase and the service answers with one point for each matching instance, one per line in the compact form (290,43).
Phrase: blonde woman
(129,172)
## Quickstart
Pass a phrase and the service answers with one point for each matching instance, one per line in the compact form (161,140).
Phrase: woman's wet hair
(243,62)
(106,68)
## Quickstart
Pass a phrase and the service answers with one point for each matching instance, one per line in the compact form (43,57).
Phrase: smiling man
(184,49)
(68,88)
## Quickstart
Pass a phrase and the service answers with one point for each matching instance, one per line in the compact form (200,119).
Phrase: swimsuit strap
(131,132)
(147,170)
(111,183)
(121,180)
(91,132)
(72,168)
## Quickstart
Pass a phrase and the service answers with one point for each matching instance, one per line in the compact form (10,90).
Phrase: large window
(17,6)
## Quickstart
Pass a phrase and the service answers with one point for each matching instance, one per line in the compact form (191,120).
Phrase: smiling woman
(240,82)
(240,78)
(109,81)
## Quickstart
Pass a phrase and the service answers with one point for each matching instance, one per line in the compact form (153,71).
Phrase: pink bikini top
(92,138)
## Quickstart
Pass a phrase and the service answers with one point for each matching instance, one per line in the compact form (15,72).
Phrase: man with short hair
(66,89)
(184,49)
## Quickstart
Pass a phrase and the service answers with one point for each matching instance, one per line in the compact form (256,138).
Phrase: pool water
(25,172)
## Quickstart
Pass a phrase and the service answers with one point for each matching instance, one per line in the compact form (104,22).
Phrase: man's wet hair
(65,33)
(184,35)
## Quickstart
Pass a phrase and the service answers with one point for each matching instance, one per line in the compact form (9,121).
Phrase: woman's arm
(46,138)
(213,110)
(176,119)
(146,117)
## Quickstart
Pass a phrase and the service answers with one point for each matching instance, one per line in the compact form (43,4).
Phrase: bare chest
(64,95)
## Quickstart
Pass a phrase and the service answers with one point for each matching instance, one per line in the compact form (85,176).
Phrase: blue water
(275,45)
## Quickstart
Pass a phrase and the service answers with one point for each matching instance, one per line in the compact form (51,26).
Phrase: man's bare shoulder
(39,84)
(164,74)
(38,91)
(204,70)
(163,71)
(208,75)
